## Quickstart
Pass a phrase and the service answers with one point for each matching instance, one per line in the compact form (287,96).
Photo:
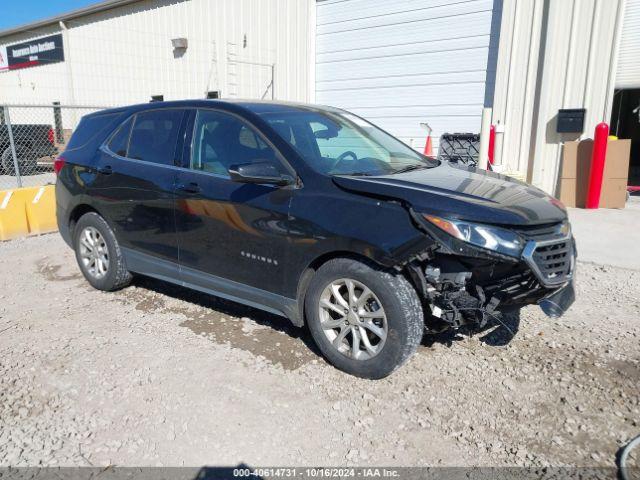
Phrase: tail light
(50,136)
(58,163)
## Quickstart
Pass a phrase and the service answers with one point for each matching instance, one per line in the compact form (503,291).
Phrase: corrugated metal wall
(402,63)
(516,80)
(125,55)
(553,54)
(628,73)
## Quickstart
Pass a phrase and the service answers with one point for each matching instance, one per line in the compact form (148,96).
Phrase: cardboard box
(576,159)
(614,193)
(617,163)
(574,173)
(573,193)
(568,192)
(616,174)
(576,166)
(569,165)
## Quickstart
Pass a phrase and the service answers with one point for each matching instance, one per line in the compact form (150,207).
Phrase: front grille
(541,232)
(554,261)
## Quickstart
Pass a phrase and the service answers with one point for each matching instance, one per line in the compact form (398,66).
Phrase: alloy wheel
(353,319)
(94,252)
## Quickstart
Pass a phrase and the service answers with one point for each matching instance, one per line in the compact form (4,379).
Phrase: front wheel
(366,321)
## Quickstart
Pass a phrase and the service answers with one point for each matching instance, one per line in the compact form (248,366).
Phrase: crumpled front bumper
(556,304)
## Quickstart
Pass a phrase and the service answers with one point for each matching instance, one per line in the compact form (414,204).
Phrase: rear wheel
(365,320)
(98,253)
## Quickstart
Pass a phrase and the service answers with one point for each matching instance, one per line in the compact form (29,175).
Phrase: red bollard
(597,165)
(492,143)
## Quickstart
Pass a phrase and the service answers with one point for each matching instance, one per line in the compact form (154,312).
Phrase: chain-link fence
(31,136)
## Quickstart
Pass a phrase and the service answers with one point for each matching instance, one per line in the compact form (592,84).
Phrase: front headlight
(492,238)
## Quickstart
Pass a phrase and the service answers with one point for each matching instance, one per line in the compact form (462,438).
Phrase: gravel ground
(159,375)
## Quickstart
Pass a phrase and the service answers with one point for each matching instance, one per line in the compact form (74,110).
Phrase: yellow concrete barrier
(41,210)
(13,220)
(25,211)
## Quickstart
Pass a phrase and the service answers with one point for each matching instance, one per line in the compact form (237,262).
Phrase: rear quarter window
(90,128)
(119,142)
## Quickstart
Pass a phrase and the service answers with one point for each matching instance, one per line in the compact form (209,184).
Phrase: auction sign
(36,52)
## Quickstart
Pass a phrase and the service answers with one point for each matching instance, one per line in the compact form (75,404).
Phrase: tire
(392,303)
(27,163)
(115,275)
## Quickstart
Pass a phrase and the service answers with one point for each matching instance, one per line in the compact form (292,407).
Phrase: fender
(347,224)
(70,207)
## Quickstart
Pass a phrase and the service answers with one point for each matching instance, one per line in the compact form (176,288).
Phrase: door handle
(106,170)
(189,187)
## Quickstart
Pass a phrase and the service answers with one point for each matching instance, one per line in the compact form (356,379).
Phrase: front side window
(221,141)
(340,143)
(154,136)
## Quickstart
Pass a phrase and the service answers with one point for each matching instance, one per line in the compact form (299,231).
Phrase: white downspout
(67,61)
(498,165)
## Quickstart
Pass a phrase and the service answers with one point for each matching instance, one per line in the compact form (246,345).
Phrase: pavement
(608,236)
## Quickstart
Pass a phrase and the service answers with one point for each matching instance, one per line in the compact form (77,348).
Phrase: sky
(15,13)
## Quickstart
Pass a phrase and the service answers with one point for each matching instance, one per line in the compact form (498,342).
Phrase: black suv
(311,213)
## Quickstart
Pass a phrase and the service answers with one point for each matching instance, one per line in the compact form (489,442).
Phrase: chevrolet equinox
(311,213)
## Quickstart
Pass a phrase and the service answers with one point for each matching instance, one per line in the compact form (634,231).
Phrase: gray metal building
(397,63)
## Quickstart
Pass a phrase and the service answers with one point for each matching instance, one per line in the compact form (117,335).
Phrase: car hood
(463,192)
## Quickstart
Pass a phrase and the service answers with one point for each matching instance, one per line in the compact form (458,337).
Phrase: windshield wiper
(359,174)
(410,168)
(352,174)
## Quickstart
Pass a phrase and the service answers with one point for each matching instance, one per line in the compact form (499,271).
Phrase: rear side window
(154,136)
(120,140)
(88,128)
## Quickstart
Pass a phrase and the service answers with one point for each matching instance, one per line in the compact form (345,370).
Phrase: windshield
(344,144)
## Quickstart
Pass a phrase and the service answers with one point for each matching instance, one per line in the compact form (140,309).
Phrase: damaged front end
(472,272)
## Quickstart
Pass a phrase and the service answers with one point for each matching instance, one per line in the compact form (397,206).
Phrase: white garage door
(628,73)
(402,63)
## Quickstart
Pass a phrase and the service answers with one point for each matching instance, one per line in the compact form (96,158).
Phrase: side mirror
(260,173)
